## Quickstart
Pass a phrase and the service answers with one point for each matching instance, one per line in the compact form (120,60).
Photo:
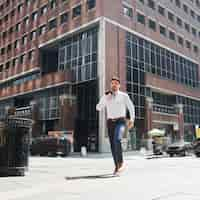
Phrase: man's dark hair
(115,78)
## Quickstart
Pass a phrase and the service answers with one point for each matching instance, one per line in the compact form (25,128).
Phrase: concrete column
(36,128)
(103,143)
(179,111)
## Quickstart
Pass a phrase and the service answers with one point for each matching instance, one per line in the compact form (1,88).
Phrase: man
(116,103)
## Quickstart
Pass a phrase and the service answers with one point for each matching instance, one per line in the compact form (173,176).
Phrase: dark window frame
(76,11)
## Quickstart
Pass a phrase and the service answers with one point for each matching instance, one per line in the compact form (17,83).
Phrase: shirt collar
(116,93)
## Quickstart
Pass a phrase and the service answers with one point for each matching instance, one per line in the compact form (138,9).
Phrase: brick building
(59,56)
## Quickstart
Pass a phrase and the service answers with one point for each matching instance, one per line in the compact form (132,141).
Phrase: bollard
(83,151)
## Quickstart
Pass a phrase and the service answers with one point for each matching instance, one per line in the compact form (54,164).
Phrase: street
(90,178)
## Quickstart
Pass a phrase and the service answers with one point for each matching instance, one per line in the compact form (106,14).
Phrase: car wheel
(43,154)
(183,153)
(52,154)
(33,154)
(63,155)
(171,154)
(197,154)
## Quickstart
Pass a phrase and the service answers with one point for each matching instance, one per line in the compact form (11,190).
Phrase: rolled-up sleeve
(131,108)
(101,104)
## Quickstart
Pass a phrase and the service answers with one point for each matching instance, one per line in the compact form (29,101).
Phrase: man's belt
(116,119)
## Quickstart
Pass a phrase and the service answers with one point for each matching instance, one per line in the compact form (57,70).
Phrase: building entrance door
(86,126)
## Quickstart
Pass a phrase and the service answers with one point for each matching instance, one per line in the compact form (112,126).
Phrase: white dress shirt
(116,105)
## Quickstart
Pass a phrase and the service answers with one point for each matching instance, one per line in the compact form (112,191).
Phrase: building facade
(59,56)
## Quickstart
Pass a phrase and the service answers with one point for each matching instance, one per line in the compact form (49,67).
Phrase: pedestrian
(116,102)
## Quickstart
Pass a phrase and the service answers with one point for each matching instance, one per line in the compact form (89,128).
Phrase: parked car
(50,146)
(179,149)
(196,147)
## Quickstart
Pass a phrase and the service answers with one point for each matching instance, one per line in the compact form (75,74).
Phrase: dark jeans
(116,130)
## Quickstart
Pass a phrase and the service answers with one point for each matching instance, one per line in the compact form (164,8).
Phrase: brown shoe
(121,167)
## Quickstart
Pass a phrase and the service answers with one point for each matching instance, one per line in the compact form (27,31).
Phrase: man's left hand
(130,124)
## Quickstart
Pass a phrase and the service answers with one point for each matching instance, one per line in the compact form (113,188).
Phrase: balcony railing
(25,112)
(164,109)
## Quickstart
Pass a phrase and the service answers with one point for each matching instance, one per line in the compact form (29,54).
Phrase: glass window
(13,13)
(188,44)
(185,8)
(43,10)
(42,30)
(20,8)
(180,40)
(187,27)
(16,44)
(171,16)
(2,51)
(164,63)
(76,11)
(79,53)
(194,31)
(178,3)
(21,59)
(172,35)
(127,11)
(192,13)
(34,16)
(24,40)
(28,3)
(31,55)
(151,4)
(53,4)
(141,18)
(195,48)
(162,30)
(33,35)
(154,59)
(152,24)
(198,18)
(179,22)
(7,65)
(1,68)
(161,10)
(52,24)
(91,4)
(64,18)
(26,21)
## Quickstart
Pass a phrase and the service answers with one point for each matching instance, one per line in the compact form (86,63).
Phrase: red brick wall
(115,54)
(155,81)
(47,80)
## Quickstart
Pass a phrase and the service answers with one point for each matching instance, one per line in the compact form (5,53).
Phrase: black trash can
(66,148)
(14,146)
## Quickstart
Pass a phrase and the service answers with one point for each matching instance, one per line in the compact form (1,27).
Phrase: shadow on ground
(91,177)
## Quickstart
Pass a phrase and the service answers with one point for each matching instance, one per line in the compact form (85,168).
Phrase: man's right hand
(130,124)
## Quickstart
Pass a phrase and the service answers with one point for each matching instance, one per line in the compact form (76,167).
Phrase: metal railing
(164,109)
(24,112)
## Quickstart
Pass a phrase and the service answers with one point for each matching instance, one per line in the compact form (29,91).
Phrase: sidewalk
(90,178)
(97,155)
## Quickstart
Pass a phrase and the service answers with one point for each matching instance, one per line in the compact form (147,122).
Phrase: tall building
(59,56)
